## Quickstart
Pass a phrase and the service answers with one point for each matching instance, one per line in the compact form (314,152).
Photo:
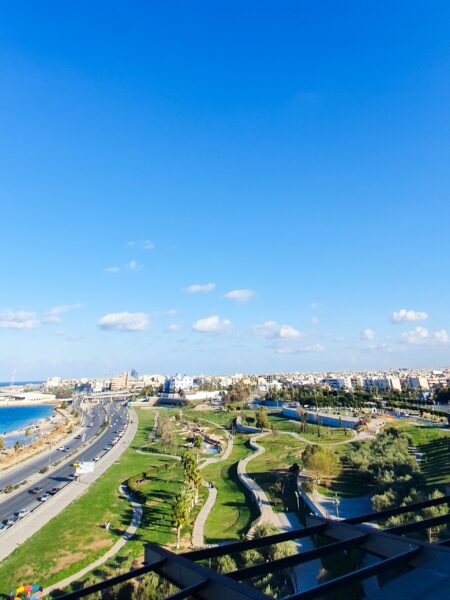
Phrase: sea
(13,418)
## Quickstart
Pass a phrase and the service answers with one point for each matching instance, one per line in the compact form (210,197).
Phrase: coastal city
(224,311)
(191,462)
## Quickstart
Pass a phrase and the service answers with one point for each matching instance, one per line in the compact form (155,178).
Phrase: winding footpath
(129,532)
(198,539)
(304,575)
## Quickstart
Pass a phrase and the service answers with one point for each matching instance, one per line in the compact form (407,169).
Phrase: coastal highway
(117,415)
(88,413)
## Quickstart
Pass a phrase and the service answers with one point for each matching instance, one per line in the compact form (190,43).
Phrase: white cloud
(240,295)
(304,350)
(211,324)
(419,335)
(315,321)
(133,265)
(402,315)
(274,330)
(174,328)
(422,336)
(367,334)
(267,329)
(313,348)
(125,321)
(441,336)
(171,313)
(286,331)
(315,305)
(18,319)
(198,287)
(112,269)
(144,244)
(53,315)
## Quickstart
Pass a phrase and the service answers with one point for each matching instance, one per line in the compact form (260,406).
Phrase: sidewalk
(305,575)
(131,529)
(29,525)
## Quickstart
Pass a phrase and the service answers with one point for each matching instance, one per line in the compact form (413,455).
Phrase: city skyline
(238,190)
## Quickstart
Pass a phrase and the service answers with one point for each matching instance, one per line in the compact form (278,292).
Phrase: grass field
(233,510)
(270,469)
(75,537)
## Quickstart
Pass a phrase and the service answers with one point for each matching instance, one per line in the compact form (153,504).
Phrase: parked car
(53,491)
(36,490)
(10,520)
(44,497)
(22,512)
(3,528)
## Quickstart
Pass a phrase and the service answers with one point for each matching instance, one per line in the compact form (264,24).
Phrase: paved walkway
(346,508)
(304,575)
(131,529)
(31,523)
(198,540)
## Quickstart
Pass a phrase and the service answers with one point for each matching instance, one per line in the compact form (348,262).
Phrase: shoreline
(38,427)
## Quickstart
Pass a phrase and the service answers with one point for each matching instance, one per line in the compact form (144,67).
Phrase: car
(61,449)
(78,437)
(53,491)
(3,528)
(36,490)
(10,520)
(22,512)
(96,458)
(44,497)
(66,449)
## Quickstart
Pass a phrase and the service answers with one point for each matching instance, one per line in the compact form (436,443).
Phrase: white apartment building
(418,382)
(177,383)
(53,382)
(338,383)
(388,383)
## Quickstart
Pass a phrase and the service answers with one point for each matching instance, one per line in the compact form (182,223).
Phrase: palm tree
(182,511)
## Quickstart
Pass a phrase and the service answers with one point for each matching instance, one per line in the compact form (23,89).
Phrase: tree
(2,444)
(192,474)
(164,431)
(262,422)
(182,511)
(225,564)
(17,446)
(320,462)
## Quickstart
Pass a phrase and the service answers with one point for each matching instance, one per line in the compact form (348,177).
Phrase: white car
(23,512)
(44,497)
(3,528)
(96,458)
(61,449)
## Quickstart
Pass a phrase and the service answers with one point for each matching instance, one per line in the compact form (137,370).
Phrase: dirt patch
(98,544)
(65,561)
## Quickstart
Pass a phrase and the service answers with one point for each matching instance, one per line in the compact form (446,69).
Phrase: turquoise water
(19,417)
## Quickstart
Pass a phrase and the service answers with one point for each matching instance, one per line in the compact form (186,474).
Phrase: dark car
(36,490)
(53,491)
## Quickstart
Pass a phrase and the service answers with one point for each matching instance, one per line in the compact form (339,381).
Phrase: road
(117,414)
(89,413)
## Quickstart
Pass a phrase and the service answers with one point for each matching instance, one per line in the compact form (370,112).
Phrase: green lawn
(270,469)
(233,510)
(75,537)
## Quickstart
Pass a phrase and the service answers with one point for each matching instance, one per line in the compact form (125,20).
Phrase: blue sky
(295,153)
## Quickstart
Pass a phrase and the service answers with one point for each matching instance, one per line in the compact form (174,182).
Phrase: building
(338,383)
(120,382)
(419,382)
(178,383)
